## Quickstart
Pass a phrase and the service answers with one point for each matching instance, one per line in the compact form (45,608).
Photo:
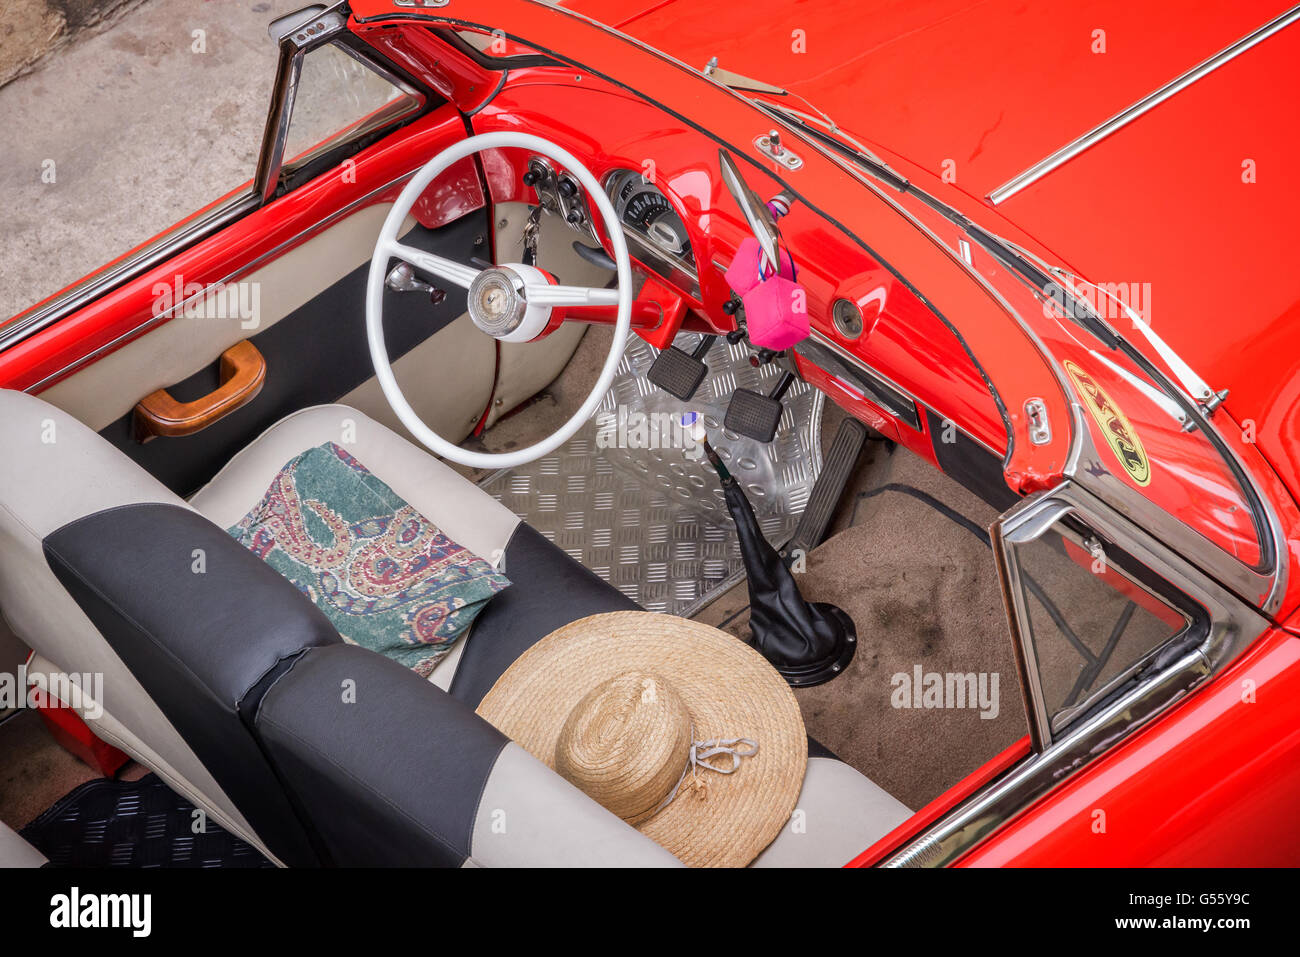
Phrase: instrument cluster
(653,228)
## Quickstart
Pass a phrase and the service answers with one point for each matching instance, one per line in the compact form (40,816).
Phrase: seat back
(104,572)
(392,771)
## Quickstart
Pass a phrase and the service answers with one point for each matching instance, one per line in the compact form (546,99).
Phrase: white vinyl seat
(465,513)
(58,474)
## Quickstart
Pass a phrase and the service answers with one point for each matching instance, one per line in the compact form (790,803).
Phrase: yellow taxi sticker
(1119,432)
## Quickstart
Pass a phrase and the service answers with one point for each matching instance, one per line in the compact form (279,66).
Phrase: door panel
(102,392)
(315,354)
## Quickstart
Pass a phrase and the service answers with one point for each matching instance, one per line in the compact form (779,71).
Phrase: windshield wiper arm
(1195,388)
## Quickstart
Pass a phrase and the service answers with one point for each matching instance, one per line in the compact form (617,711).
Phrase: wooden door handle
(243,371)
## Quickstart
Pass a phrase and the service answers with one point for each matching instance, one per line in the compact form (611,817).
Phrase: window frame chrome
(303,34)
(1179,666)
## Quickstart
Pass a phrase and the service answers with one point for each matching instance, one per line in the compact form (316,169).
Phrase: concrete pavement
(120,134)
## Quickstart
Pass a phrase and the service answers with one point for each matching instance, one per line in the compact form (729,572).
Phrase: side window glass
(1090,615)
(339,100)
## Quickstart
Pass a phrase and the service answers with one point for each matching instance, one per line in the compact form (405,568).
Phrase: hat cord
(699,756)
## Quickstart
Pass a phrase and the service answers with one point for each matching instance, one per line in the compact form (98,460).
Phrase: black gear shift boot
(809,643)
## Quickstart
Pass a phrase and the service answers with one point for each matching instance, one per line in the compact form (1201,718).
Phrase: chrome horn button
(496,301)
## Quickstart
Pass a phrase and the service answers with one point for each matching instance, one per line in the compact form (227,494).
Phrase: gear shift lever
(809,643)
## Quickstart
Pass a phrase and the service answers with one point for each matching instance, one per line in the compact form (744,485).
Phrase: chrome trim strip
(975,820)
(1026,654)
(875,387)
(822,339)
(1131,113)
(293,47)
(287,73)
(269,254)
(1086,467)
(160,250)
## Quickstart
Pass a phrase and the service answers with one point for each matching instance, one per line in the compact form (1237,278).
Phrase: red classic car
(1039,249)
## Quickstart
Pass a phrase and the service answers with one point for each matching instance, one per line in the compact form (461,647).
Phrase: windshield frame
(1263,585)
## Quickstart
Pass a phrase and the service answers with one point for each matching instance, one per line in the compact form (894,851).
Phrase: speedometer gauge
(648,216)
(649,213)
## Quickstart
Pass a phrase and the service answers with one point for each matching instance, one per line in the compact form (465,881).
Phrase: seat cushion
(549,588)
(464,512)
(839,814)
(385,576)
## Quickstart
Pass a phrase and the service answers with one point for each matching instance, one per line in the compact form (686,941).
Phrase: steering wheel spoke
(545,294)
(433,264)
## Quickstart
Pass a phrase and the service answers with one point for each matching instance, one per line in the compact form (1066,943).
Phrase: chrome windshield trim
(1131,113)
(294,46)
(1177,669)
(1263,589)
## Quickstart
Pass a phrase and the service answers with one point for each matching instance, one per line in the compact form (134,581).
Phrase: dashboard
(876,347)
(656,235)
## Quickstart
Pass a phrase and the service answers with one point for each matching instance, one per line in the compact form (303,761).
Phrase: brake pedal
(756,415)
(827,491)
(679,373)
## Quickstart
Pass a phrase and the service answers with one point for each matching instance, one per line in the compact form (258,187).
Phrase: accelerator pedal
(679,373)
(850,437)
(756,415)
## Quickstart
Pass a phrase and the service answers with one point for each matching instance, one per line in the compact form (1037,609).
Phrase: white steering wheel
(511,302)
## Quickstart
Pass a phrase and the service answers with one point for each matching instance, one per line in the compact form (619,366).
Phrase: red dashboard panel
(907,344)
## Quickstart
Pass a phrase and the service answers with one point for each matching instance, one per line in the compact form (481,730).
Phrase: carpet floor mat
(106,823)
(912,567)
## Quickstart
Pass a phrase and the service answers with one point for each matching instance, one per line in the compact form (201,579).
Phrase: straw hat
(680,729)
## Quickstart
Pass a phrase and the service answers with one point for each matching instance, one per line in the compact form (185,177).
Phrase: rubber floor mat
(624,497)
(142,823)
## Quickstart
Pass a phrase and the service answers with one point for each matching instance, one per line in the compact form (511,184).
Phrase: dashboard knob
(731,306)
(531,178)
(568,188)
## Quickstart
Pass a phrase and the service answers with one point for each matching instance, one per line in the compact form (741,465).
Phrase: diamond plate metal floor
(625,498)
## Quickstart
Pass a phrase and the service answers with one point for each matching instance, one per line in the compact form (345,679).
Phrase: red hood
(983,90)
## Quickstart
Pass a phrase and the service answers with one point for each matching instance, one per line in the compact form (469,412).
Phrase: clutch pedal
(679,373)
(756,415)
(828,489)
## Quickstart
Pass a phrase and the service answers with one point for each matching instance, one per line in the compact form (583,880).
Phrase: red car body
(958,99)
